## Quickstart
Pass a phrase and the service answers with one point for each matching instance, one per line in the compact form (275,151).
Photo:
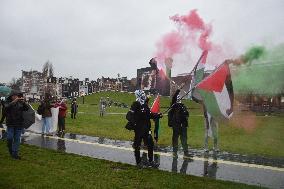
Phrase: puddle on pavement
(206,167)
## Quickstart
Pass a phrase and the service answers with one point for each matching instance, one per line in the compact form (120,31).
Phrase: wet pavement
(251,170)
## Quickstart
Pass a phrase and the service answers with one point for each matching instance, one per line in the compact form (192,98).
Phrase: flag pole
(193,70)
(181,99)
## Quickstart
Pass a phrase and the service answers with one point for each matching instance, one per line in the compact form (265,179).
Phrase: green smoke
(265,76)
(254,53)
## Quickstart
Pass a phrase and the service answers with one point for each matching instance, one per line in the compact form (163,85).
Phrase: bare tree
(16,83)
(45,69)
(48,70)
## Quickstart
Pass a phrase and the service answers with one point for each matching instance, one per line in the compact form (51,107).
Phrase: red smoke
(195,24)
(192,33)
(192,20)
(170,44)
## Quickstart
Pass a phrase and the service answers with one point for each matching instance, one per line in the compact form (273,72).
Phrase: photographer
(14,107)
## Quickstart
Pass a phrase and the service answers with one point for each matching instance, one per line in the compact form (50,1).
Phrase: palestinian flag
(198,76)
(156,109)
(217,93)
(156,105)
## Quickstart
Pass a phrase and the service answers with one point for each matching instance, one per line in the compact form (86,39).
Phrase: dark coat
(141,117)
(46,109)
(14,113)
(74,107)
(178,116)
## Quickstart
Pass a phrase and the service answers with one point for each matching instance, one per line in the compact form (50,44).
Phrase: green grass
(42,168)
(246,133)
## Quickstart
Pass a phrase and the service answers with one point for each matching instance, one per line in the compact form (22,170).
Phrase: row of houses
(35,85)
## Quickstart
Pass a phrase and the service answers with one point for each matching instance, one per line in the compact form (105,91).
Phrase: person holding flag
(156,109)
(178,120)
(211,130)
(140,116)
(215,93)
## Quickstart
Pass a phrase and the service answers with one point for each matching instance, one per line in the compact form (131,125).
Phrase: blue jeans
(13,139)
(46,125)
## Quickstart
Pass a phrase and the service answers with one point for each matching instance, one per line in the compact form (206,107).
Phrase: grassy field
(41,168)
(246,133)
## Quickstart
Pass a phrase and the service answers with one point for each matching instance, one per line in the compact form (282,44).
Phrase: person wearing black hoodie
(14,107)
(141,119)
(178,120)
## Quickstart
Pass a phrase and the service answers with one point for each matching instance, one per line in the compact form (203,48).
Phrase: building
(181,80)
(153,81)
(33,84)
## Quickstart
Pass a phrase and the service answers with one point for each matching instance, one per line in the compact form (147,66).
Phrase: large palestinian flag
(198,76)
(217,93)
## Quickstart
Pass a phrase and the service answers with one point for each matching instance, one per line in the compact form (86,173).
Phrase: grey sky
(92,38)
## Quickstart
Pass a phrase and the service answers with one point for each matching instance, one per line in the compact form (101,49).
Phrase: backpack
(130,126)
(131,121)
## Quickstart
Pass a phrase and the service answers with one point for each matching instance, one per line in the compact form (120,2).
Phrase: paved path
(258,171)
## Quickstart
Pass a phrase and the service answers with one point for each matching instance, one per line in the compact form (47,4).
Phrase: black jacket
(178,116)
(142,116)
(14,113)
(74,107)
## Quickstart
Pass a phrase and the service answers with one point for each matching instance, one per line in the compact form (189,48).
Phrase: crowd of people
(12,110)
(138,117)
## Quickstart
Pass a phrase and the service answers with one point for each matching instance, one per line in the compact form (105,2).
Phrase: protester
(14,107)
(46,114)
(102,106)
(178,120)
(74,108)
(141,118)
(61,116)
(211,130)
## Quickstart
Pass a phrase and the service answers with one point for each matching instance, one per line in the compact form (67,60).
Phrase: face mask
(178,99)
(140,96)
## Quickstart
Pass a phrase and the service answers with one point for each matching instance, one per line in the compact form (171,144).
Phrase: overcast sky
(95,38)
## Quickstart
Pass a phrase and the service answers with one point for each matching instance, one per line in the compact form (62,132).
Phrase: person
(14,108)
(141,118)
(74,108)
(61,116)
(3,116)
(178,120)
(46,114)
(211,130)
(102,106)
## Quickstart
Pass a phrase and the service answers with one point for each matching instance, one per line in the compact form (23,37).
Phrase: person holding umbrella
(14,108)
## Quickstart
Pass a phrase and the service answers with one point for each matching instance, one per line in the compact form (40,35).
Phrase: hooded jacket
(178,114)
(142,116)
(14,112)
